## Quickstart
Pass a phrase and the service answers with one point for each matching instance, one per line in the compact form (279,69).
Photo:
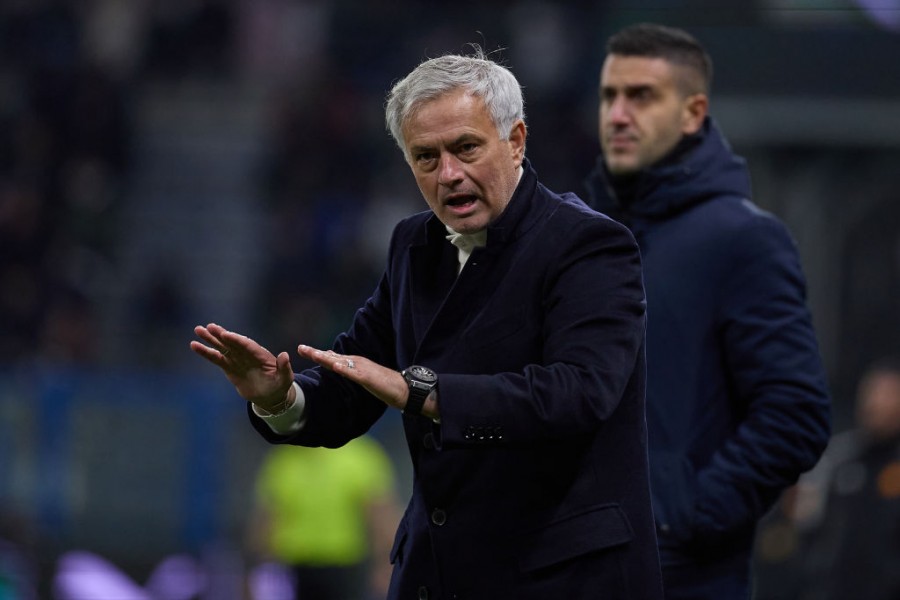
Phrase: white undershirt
(465,243)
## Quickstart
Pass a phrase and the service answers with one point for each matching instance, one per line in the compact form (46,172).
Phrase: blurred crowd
(331,183)
(836,533)
(63,156)
(70,72)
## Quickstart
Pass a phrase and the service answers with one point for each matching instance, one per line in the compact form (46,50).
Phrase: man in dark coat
(737,403)
(509,329)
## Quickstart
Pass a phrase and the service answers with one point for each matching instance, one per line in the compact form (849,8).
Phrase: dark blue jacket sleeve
(777,375)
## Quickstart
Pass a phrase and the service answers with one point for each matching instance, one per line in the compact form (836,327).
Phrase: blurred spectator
(64,152)
(329,515)
(848,507)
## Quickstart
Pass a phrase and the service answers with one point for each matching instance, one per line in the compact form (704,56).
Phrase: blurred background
(165,163)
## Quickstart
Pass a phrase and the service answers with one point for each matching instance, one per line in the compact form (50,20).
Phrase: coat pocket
(599,528)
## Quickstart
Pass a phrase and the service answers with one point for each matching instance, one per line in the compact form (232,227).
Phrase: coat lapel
(433,267)
(442,303)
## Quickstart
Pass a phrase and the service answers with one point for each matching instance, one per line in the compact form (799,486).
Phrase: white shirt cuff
(289,421)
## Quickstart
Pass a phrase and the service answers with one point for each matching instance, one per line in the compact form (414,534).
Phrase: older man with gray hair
(508,330)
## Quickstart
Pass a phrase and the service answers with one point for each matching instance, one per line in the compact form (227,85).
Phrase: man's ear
(693,113)
(517,136)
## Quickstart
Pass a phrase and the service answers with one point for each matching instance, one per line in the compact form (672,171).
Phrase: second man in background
(737,405)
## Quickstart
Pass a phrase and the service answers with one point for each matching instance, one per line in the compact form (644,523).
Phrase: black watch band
(421,381)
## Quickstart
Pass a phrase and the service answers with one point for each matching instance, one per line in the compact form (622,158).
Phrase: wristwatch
(421,380)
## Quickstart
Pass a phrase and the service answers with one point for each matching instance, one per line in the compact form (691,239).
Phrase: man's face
(643,113)
(466,173)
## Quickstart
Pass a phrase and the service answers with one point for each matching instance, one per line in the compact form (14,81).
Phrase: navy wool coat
(534,484)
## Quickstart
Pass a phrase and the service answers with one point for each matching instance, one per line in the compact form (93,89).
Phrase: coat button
(664,528)
(438,517)
(423,593)
(428,441)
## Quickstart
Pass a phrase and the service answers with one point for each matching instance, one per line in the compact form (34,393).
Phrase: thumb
(283,366)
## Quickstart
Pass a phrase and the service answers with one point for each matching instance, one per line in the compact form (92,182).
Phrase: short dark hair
(672,44)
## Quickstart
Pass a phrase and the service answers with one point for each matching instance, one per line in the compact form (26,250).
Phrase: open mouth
(461,202)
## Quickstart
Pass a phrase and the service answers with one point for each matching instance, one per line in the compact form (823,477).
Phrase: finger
(205,334)
(327,359)
(283,365)
(239,349)
(308,352)
(210,354)
(324,358)
(212,335)
(216,329)
(346,365)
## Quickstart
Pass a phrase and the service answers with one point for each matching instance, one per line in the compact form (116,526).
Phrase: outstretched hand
(386,384)
(258,375)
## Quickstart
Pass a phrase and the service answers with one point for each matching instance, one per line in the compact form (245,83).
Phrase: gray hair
(477,74)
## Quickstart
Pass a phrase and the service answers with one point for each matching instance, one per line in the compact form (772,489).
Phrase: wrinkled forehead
(458,103)
(425,101)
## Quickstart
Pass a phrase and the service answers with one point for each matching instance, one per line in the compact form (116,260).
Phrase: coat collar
(704,169)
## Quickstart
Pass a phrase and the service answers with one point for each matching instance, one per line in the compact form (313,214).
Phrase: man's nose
(450,170)
(617,111)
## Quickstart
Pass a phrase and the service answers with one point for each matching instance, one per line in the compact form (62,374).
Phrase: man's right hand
(258,376)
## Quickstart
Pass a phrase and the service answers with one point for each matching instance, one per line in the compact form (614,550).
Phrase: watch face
(423,373)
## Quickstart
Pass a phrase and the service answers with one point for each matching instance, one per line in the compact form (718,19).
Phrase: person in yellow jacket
(329,515)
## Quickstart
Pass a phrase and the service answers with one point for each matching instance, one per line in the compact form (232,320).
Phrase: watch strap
(416,400)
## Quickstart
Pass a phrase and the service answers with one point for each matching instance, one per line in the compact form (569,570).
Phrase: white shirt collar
(466,242)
